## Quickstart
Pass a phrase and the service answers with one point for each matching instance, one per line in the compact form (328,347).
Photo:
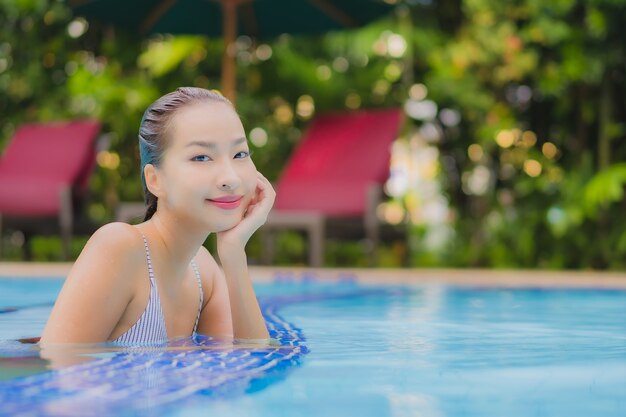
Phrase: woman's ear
(153,180)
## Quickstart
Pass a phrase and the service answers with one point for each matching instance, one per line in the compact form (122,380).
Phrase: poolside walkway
(470,277)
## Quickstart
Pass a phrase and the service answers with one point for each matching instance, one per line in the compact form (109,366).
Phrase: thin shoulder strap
(150,270)
(195,270)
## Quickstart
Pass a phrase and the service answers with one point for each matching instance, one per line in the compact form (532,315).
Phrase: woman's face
(206,171)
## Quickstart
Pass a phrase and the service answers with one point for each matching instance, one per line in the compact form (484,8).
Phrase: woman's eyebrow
(212,145)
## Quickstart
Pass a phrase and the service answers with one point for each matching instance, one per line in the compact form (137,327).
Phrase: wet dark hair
(154,127)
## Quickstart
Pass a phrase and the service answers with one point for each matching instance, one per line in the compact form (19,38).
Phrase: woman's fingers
(264,198)
(264,184)
(256,213)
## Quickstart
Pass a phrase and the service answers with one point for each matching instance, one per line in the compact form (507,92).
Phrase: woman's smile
(226,202)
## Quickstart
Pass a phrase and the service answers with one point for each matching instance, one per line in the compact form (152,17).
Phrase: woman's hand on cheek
(254,217)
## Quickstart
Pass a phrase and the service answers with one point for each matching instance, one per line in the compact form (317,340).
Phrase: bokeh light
(478,181)
(381,87)
(258,137)
(77,27)
(353,101)
(109,160)
(532,167)
(505,138)
(421,110)
(396,45)
(418,92)
(475,152)
(450,117)
(305,106)
(529,139)
(341,64)
(283,114)
(263,52)
(549,150)
(391,212)
(323,72)
(393,71)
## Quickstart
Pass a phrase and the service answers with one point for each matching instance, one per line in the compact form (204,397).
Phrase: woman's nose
(228,178)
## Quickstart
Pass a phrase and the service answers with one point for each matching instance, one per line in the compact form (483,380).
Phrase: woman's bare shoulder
(114,246)
(117,238)
(206,264)
(98,288)
(115,234)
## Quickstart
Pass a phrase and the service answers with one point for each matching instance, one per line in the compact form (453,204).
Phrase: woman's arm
(248,322)
(216,318)
(97,289)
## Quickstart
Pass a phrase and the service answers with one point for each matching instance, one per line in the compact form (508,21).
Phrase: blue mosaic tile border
(144,380)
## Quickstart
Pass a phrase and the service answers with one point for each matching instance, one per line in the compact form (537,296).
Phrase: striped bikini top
(150,328)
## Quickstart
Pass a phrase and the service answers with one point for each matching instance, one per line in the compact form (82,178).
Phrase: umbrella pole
(229,8)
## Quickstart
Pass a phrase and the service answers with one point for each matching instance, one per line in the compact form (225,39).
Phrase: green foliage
(161,58)
(552,68)
(570,214)
(605,188)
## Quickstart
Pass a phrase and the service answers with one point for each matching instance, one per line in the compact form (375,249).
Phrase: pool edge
(473,277)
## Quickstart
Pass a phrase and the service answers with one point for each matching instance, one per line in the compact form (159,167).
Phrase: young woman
(155,281)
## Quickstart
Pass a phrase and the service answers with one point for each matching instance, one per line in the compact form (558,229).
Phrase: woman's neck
(176,241)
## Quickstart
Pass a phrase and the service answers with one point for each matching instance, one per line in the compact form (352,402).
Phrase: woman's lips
(226,203)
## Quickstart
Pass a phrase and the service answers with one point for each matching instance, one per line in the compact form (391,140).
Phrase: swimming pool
(349,348)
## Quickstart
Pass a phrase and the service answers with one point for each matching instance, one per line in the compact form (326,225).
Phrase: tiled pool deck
(473,277)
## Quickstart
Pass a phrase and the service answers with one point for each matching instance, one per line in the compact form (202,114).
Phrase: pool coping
(469,277)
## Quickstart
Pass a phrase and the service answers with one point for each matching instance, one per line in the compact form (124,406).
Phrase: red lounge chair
(44,173)
(332,183)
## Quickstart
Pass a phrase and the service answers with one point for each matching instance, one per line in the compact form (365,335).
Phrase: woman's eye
(242,154)
(201,158)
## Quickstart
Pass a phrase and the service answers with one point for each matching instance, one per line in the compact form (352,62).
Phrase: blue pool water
(346,349)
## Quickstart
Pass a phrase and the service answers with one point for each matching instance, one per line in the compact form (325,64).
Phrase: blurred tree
(540,87)
(519,103)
